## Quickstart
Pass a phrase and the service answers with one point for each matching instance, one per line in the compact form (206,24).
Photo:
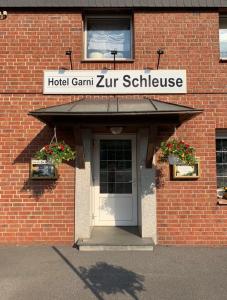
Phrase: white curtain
(106,36)
(107,41)
(223,36)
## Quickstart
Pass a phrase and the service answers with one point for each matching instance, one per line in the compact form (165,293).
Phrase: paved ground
(55,273)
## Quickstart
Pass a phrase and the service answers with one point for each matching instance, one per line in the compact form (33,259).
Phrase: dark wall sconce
(69,54)
(114,53)
(159,52)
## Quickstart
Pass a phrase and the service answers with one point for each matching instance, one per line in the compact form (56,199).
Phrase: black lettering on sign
(99,85)
(115,82)
(111,82)
(58,82)
(82,82)
(144,81)
(155,82)
(179,82)
(50,81)
(135,82)
(126,81)
(171,82)
(163,82)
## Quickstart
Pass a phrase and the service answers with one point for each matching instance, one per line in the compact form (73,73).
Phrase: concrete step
(86,247)
(115,239)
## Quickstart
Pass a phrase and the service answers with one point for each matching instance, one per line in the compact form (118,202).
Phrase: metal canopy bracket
(151,146)
(79,146)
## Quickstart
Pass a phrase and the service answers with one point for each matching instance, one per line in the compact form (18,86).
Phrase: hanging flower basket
(56,153)
(176,151)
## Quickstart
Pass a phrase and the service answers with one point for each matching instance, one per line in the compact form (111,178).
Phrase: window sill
(223,60)
(107,61)
(222,202)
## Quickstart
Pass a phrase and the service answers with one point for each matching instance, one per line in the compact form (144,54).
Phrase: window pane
(115,170)
(111,188)
(124,165)
(107,34)
(128,188)
(103,155)
(224,145)
(221,181)
(126,145)
(119,188)
(103,165)
(103,188)
(119,155)
(123,177)
(111,165)
(111,155)
(111,176)
(223,36)
(103,176)
(218,144)
(220,171)
(127,155)
(123,188)
(224,157)
(219,157)
(225,170)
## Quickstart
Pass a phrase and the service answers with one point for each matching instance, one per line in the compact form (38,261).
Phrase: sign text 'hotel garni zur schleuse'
(115,82)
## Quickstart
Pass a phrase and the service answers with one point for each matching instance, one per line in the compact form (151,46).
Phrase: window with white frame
(221,158)
(223,36)
(106,34)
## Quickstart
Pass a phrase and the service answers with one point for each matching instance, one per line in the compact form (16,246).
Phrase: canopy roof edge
(117,109)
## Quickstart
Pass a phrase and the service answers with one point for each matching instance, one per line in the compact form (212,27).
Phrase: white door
(115,181)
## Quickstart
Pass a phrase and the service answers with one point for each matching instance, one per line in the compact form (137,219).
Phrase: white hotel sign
(115,82)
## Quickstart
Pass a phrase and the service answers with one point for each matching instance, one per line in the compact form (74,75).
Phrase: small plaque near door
(186,171)
(42,169)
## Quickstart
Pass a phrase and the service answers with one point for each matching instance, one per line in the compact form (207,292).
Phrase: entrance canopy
(122,112)
(114,110)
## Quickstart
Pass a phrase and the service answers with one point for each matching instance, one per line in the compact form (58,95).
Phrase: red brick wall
(43,212)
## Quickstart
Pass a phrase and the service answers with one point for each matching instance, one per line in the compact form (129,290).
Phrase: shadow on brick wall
(39,187)
(41,139)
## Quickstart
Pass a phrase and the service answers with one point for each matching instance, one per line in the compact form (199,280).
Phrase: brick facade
(43,212)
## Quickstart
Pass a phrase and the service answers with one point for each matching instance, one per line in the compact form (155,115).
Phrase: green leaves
(179,148)
(56,153)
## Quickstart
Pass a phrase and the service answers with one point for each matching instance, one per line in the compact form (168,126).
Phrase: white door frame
(96,193)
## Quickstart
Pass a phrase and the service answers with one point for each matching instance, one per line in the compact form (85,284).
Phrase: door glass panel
(220,171)
(224,144)
(218,145)
(104,165)
(222,181)
(219,157)
(115,166)
(224,157)
(103,176)
(124,177)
